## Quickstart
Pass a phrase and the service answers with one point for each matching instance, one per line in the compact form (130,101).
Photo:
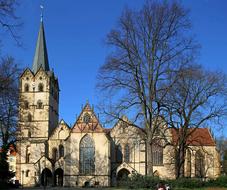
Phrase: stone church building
(52,153)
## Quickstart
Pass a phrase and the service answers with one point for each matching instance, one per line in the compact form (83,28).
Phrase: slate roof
(41,56)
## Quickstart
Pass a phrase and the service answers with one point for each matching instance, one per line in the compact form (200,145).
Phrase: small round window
(87,118)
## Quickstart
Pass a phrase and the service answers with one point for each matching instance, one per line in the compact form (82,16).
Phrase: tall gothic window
(29,134)
(40,87)
(27,173)
(26,87)
(118,153)
(54,154)
(157,153)
(61,151)
(87,155)
(199,164)
(26,104)
(27,160)
(127,154)
(188,166)
(29,117)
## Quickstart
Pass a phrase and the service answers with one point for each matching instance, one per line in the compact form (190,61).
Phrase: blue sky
(75,34)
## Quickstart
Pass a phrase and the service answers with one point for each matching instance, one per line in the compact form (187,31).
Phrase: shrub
(219,182)
(139,181)
(190,183)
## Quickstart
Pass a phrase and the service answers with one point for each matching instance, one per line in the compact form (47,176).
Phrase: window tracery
(86,118)
(157,153)
(87,155)
(199,164)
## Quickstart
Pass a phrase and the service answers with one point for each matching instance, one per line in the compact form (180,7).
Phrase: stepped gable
(87,122)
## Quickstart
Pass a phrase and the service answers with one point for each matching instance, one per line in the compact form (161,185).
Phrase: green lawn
(207,188)
(72,188)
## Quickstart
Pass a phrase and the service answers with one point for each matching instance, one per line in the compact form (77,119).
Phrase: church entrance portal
(58,177)
(46,177)
(122,174)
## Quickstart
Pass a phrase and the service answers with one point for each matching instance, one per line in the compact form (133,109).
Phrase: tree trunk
(180,158)
(149,158)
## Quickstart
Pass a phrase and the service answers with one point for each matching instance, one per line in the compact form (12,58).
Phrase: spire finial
(41,7)
(41,56)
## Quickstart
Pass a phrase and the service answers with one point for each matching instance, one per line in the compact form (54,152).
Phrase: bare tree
(9,74)
(148,47)
(222,148)
(197,99)
(8,19)
(9,77)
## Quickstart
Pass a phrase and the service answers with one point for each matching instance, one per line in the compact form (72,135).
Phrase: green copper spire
(41,57)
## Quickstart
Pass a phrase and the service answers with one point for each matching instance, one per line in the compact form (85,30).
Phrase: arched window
(29,117)
(118,154)
(39,104)
(40,87)
(188,162)
(157,153)
(27,160)
(29,134)
(26,87)
(54,154)
(27,173)
(26,104)
(127,154)
(87,155)
(199,164)
(61,151)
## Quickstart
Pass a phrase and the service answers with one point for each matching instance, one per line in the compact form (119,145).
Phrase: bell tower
(39,95)
(38,111)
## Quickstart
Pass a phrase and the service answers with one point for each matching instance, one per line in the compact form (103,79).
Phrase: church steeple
(41,56)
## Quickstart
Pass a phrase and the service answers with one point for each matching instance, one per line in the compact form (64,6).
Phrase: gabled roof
(124,119)
(62,125)
(27,70)
(41,56)
(198,137)
(92,126)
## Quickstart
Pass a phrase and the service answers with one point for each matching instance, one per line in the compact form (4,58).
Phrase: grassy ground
(57,188)
(208,188)
(73,188)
